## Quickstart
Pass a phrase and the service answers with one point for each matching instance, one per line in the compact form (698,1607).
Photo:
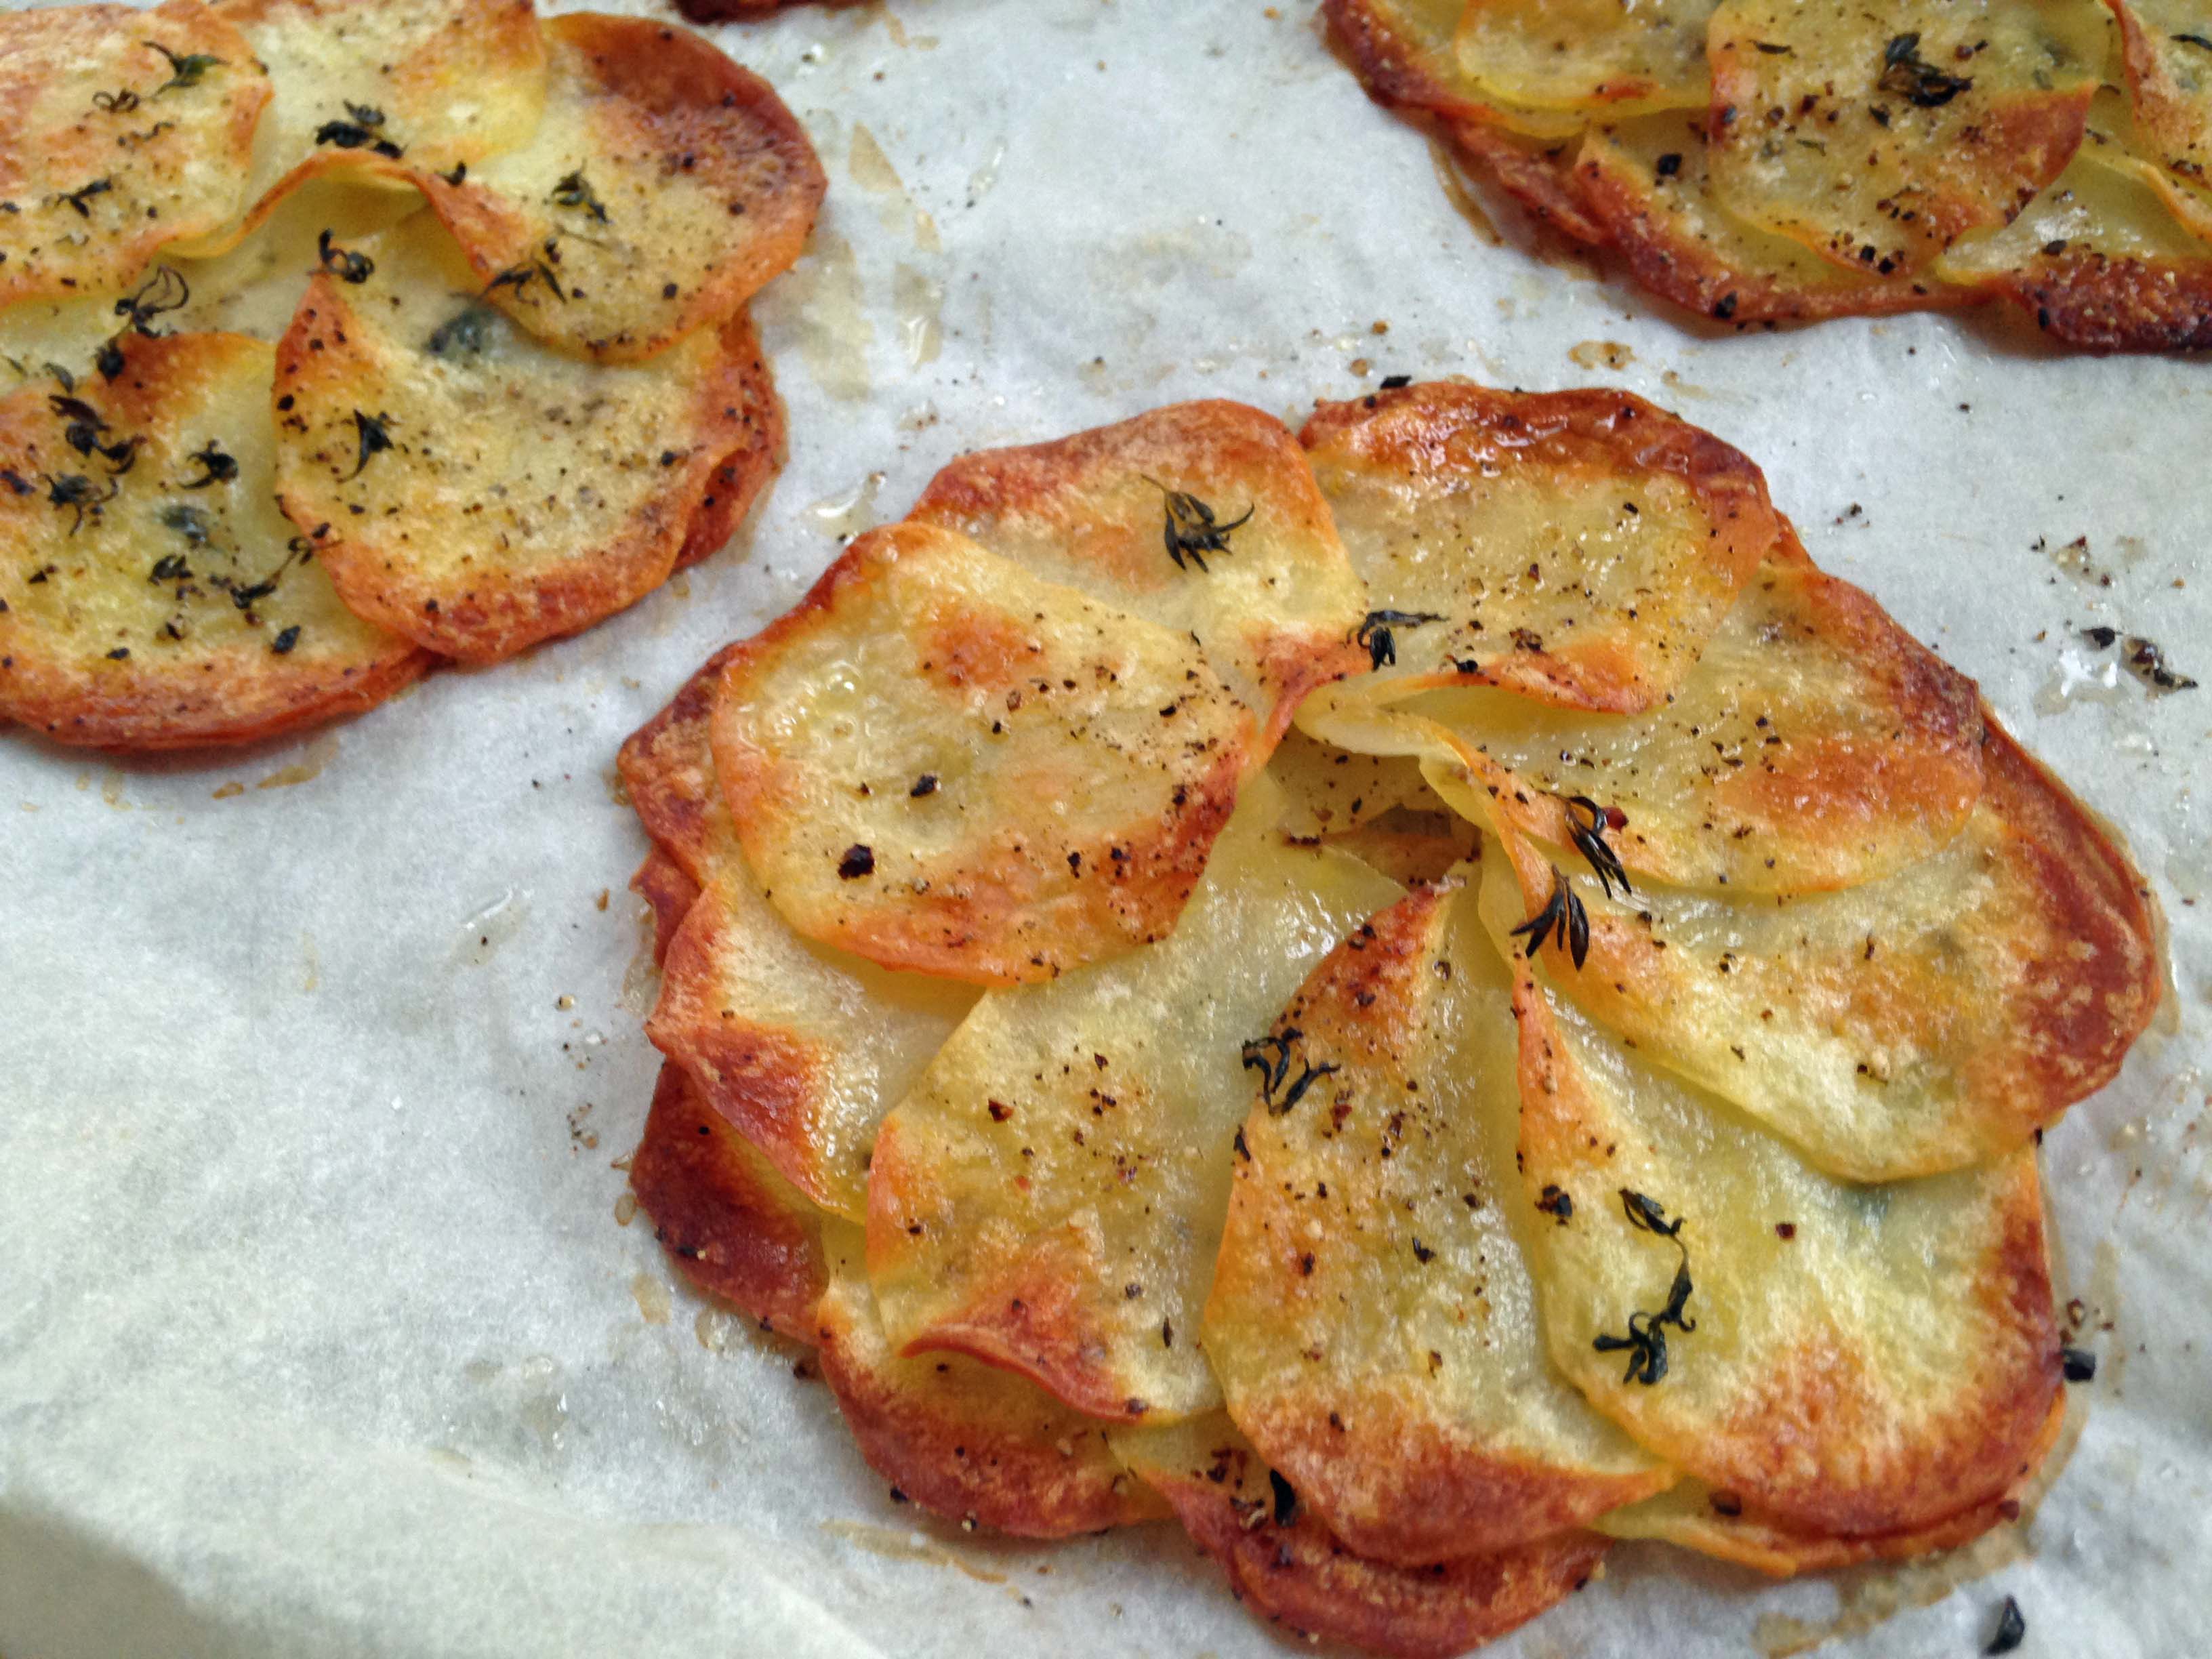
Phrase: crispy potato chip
(665,186)
(1373,1322)
(964,1439)
(1327,791)
(1588,55)
(2100,260)
(151,601)
(2166,47)
(1406,53)
(1648,183)
(1574,547)
(942,761)
(1816,746)
(1287,1565)
(1049,1196)
(1916,1023)
(1274,601)
(1875,135)
(380,90)
(668,889)
(127,131)
(667,767)
(1692,1515)
(475,490)
(1849,1360)
(735,1228)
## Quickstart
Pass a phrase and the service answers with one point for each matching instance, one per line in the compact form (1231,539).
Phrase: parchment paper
(319,1335)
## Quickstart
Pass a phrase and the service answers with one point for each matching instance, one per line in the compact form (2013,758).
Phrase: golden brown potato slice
(1587,56)
(2167,46)
(1693,1515)
(153,598)
(1140,516)
(377,90)
(943,762)
(1327,791)
(1292,1570)
(664,187)
(1408,845)
(667,766)
(1875,135)
(1936,1017)
(665,885)
(1574,547)
(126,131)
(964,1439)
(2098,260)
(1648,183)
(1049,1196)
(1373,1322)
(1816,746)
(1406,53)
(475,489)
(1849,1360)
(1536,171)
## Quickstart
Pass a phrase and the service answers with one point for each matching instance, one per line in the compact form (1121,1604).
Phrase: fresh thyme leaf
(1587,822)
(1191,530)
(186,71)
(1563,915)
(374,440)
(1374,633)
(576,191)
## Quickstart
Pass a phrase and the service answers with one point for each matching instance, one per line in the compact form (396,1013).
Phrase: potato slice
(2167,46)
(1408,845)
(127,131)
(477,491)
(663,188)
(1329,791)
(1289,1567)
(1372,1320)
(1920,1023)
(1851,1360)
(376,91)
(151,600)
(1273,602)
(1648,183)
(668,766)
(1536,171)
(1406,53)
(1049,1196)
(943,762)
(1876,136)
(1574,547)
(1588,55)
(2098,260)
(1816,746)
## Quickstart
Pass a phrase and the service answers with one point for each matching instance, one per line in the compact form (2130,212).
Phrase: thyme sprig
(1190,529)
(1587,822)
(1907,75)
(185,71)
(1563,915)
(1270,1056)
(1374,633)
(1646,1341)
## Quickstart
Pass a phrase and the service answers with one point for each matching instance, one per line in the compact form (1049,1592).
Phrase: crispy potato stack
(1767,160)
(1580,1080)
(340,340)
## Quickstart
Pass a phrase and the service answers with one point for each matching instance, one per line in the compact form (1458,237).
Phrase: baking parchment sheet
(320,1333)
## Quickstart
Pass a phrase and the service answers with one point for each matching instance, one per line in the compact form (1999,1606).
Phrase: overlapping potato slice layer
(945,762)
(1585,54)
(1574,547)
(1290,1567)
(2167,48)
(477,491)
(1373,1322)
(360,89)
(153,596)
(663,188)
(125,131)
(1049,1195)
(1407,52)
(1122,515)
(1850,1360)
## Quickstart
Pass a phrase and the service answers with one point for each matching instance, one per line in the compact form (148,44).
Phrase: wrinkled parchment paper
(319,1331)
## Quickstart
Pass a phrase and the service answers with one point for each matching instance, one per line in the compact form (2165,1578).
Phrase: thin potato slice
(1850,1360)
(1914,1025)
(1292,1570)
(668,766)
(155,597)
(1876,136)
(1648,184)
(1274,605)
(126,131)
(1372,1320)
(1408,845)
(1587,56)
(963,1439)
(1692,1515)
(1816,746)
(1049,1195)
(1574,547)
(376,90)
(477,491)
(663,188)
(1406,53)
(1537,171)
(2167,46)
(1327,791)
(2100,260)
(942,761)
